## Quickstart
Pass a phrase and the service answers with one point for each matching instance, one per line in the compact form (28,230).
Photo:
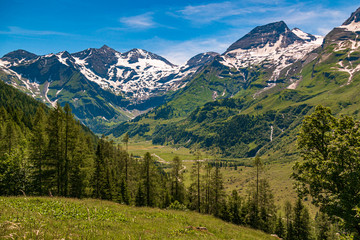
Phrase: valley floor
(278,173)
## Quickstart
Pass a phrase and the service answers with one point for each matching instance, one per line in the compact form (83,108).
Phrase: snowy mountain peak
(201,59)
(354,18)
(135,54)
(303,35)
(352,24)
(18,56)
(273,46)
(267,35)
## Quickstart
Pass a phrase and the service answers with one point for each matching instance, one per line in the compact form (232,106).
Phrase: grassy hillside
(60,218)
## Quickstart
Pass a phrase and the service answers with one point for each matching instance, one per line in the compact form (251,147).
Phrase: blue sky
(176,30)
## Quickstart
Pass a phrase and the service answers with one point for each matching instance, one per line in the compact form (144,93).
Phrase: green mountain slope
(49,218)
(251,118)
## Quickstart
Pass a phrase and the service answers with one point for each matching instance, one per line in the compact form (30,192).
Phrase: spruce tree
(280,228)
(124,192)
(177,178)
(55,153)
(288,214)
(126,142)
(140,198)
(38,146)
(217,186)
(148,178)
(235,208)
(196,177)
(67,132)
(301,224)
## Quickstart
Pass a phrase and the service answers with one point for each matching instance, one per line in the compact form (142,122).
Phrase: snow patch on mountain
(352,27)
(352,45)
(61,58)
(46,90)
(273,55)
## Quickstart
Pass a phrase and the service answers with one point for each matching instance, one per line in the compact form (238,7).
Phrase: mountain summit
(273,46)
(268,34)
(355,17)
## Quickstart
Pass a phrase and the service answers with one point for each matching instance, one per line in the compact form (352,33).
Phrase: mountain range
(261,86)
(252,99)
(99,83)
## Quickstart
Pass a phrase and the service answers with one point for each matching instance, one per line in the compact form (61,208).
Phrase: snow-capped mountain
(100,83)
(136,74)
(274,46)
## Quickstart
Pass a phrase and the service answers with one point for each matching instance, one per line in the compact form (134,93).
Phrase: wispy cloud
(315,20)
(142,21)
(28,32)
(257,12)
(211,12)
(179,52)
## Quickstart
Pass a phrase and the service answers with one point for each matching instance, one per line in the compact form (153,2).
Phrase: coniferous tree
(290,234)
(288,215)
(235,208)
(267,207)
(140,196)
(149,179)
(258,165)
(177,178)
(80,156)
(218,194)
(38,146)
(206,189)
(280,228)
(195,188)
(68,128)
(101,177)
(124,192)
(301,224)
(11,137)
(126,142)
(55,161)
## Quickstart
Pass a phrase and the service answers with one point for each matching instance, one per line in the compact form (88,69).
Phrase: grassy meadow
(241,179)
(64,218)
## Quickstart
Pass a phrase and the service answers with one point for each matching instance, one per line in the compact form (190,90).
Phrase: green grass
(61,218)
(167,153)
(277,172)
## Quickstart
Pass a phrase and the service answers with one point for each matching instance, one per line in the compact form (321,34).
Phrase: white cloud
(28,32)
(310,16)
(179,52)
(142,21)
(314,20)
(211,12)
